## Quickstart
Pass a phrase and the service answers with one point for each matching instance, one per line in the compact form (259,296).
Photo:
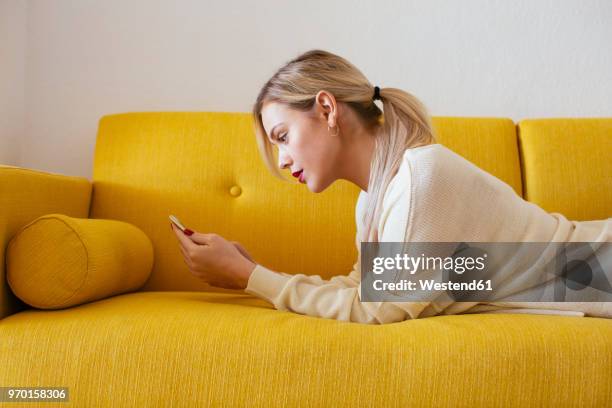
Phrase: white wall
(12,71)
(516,59)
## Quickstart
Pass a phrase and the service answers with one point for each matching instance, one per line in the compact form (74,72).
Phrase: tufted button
(235,191)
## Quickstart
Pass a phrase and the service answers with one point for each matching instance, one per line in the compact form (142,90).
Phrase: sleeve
(339,297)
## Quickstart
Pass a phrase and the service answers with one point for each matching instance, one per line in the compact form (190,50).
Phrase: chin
(317,187)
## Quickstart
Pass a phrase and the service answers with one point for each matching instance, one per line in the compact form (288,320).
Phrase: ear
(326,105)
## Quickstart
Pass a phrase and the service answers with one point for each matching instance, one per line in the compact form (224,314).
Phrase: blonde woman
(319,111)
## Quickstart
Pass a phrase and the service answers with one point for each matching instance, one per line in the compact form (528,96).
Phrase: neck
(359,146)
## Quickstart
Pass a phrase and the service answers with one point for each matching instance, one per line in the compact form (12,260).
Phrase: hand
(215,260)
(243,251)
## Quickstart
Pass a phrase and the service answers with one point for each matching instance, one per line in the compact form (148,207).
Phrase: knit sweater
(435,196)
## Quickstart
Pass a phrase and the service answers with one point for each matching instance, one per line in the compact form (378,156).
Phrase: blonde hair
(404,122)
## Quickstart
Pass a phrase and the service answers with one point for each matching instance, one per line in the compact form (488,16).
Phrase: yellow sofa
(180,342)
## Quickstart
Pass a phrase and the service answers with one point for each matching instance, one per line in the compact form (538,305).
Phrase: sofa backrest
(567,165)
(489,143)
(204,167)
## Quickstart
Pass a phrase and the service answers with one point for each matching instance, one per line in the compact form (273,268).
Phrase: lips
(297,173)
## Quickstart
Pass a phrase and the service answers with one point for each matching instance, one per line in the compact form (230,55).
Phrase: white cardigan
(436,196)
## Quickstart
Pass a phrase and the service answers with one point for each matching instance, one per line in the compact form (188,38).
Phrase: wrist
(246,272)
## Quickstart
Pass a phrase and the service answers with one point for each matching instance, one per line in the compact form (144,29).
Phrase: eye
(283,138)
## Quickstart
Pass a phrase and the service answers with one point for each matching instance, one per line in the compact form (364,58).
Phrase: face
(303,140)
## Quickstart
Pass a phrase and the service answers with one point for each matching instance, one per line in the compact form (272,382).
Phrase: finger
(175,229)
(199,238)
(184,239)
(184,251)
(181,245)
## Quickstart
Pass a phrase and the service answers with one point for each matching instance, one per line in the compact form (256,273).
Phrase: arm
(24,196)
(339,297)
(336,298)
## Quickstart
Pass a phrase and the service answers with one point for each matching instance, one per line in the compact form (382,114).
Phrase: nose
(283,162)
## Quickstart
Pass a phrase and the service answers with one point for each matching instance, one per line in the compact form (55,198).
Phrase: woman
(319,111)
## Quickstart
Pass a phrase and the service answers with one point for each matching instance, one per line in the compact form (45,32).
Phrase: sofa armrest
(26,195)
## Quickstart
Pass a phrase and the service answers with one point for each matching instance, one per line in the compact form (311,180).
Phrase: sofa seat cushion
(191,348)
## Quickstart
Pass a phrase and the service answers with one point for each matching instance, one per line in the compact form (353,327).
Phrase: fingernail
(188,231)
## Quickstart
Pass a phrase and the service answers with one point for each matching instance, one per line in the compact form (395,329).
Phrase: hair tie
(376,94)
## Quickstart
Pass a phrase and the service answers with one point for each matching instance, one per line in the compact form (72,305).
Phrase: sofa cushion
(567,167)
(489,143)
(58,261)
(213,349)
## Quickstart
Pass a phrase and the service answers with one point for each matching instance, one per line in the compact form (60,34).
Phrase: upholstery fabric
(26,195)
(489,143)
(57,261)
(189,349)
(567,166)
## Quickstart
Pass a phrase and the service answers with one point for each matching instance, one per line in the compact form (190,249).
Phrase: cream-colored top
(436,196)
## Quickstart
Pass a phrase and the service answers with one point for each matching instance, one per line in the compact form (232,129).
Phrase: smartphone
(177,222)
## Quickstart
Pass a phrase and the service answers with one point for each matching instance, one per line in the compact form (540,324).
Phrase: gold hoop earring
(333,134)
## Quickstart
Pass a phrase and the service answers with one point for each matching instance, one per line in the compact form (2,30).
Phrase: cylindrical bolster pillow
(57,261)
